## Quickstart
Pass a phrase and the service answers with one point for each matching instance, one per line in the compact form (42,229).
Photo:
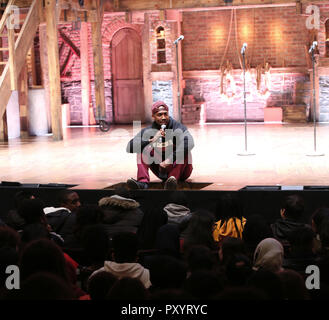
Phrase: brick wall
(155,22)
(71,83)
(277,35)
(71,93)
(324,98)
(220,108)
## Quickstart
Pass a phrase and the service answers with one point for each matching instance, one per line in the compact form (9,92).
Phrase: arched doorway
(127,77)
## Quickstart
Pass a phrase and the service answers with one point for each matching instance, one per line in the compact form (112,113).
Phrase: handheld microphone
(181,37)
(163,127)
(243,49)
(314,44)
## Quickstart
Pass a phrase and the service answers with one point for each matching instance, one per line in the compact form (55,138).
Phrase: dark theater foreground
(229,102)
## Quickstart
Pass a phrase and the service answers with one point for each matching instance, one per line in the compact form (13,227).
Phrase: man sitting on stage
(164,147)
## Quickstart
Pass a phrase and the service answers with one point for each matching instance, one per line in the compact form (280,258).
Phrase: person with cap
(164,147)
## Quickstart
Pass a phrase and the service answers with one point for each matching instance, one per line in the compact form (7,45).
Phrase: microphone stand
(178,84)
(314,153)
(245,153)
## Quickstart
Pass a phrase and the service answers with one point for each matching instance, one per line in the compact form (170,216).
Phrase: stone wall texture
(163,91)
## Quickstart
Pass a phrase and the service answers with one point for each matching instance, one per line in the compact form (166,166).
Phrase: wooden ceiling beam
(133,5)
(136,5)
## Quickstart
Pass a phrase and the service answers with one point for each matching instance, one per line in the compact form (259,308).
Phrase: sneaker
(171,183)
(134,184)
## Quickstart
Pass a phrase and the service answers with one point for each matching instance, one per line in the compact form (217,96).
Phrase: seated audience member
(166,244)
(255,230)
(269,255)
(100,284)
(127,289)
(124,257)
(95,251)
(121,214)
(36,226)
(86,216)
(318,216)
(201,258)
(9,243)
(229,217)
(13,219)
(178,211)
(45,256)
(238,270)
(267,281)
(291,218)
(153,219)
(9,237)
(167,240)
(35,231)
(62,219)
(300,253)
(203,284)
(42,286)
(293,285)
(230,247)
(166,272)
(96,245)
(199,231)
(322,260)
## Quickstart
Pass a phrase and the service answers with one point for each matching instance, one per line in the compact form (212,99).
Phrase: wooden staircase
(14,48)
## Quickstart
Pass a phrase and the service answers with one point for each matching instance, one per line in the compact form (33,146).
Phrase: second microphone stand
(178,84)
(245,152)
(314,153)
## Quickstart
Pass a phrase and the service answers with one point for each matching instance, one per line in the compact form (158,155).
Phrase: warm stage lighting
(245,31)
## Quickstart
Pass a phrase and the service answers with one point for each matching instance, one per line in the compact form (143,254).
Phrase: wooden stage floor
(93,159)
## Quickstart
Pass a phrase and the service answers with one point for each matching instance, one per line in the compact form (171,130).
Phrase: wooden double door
(127,77)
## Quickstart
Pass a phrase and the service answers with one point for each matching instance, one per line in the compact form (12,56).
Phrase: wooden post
(147,79)
(54,71)
(85,76)
(96,30)
(12,62)
(32,68)
(4,128)
(44,70)
(23,101)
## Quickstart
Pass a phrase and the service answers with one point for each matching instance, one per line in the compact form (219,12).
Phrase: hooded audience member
(177,209)
(62,219)
(176,213)
(121,214)
(269,255)
(291,216)
(125,263)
